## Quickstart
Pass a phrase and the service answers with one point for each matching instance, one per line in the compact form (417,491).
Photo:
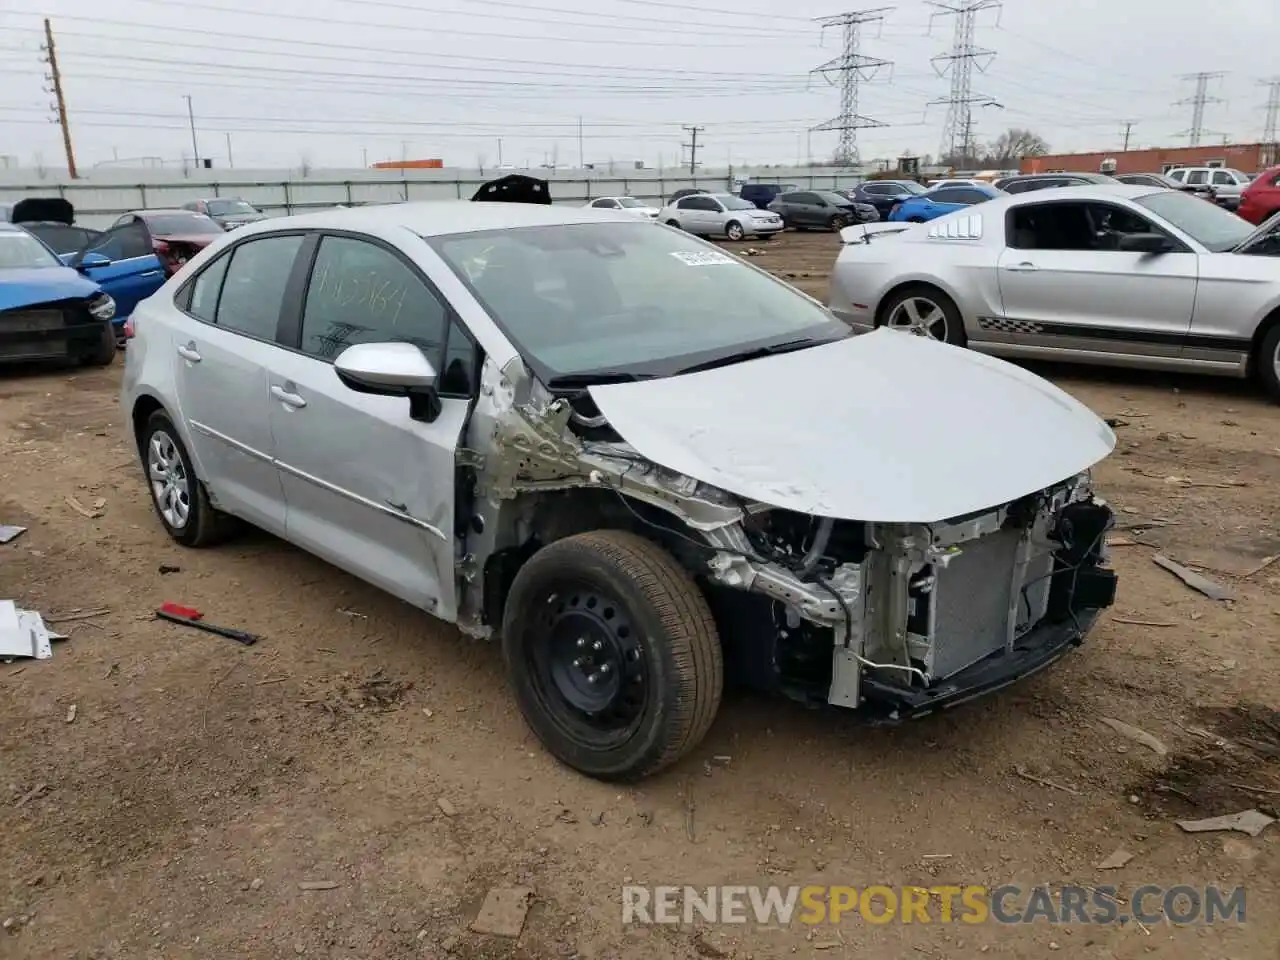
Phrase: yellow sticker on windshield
(702,259)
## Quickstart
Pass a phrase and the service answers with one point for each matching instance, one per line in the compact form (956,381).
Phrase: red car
(1261,198)
(174,235)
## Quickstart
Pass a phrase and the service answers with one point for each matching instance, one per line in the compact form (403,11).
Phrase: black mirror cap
(1145,243)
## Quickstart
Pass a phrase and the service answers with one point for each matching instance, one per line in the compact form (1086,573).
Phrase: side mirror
(391,370)
(90,260)
(1144,243)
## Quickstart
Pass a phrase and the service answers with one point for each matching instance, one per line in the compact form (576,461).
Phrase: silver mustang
(1120,275)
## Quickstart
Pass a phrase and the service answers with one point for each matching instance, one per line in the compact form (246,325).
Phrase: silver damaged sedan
(1120,275)
(642,464)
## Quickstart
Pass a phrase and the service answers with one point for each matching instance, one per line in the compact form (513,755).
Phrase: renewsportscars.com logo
(1008,904)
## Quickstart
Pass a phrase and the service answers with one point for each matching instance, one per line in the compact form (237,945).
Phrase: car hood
(882,427)
(28,287)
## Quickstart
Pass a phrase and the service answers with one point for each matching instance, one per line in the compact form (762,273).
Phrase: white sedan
(721,215)
(1121,275)
(637,208)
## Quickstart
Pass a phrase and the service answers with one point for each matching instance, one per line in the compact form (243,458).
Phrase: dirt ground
(201,782)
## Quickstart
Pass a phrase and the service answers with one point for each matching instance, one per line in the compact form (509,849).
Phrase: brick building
(1246,157)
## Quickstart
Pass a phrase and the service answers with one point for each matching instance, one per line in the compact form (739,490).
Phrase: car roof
(442,218)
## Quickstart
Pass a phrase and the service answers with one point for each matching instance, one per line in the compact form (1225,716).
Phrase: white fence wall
(102,196)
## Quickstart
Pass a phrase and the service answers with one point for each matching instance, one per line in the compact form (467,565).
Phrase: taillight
(128,328)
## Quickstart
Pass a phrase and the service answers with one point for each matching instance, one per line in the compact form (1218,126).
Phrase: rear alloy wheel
(613,654)
(176,492)
(1268,362)
(925,312)
(733,230)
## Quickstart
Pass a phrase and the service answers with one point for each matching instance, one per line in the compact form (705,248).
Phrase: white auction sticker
(707,259)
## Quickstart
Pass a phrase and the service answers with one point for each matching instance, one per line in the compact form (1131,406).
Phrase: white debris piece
(23,633)
(1252,822)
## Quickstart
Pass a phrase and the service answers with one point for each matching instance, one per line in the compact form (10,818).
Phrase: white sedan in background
(721,215)
(1111,274)
(631,205)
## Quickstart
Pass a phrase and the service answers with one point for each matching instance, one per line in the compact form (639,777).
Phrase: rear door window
(254,287)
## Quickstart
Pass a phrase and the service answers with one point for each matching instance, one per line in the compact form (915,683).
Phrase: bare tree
(1014,144)
(304,164)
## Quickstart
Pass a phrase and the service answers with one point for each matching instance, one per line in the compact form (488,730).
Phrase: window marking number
(701,259)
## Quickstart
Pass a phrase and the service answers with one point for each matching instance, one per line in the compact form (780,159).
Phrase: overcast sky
(336,82)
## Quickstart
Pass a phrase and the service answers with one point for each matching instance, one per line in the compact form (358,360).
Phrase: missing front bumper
(1036,650)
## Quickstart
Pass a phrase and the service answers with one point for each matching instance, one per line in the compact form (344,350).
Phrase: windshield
(734,203)
(20,251)
(626,298)
(1207,223)
(833,197)
(629,202)
(225,208)
(174,223)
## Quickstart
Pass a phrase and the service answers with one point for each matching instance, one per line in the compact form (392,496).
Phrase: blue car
(49,310)
(942,201)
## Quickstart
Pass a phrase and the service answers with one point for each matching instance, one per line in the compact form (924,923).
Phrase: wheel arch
(918,281)
(548,517)
(1269,321)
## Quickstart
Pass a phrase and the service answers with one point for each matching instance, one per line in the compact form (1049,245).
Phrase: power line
(692,147)
(852,67)
(957,130)
(1198,100)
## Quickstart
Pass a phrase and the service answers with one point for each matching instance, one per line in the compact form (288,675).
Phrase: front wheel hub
(590,653)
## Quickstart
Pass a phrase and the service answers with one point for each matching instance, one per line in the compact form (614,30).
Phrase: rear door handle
(288,398)
(151,273)
(189,352)
(1024,267)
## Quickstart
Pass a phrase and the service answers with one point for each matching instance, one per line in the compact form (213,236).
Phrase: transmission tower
(964,58)
(1269,131)
(852,68)
(1198,101)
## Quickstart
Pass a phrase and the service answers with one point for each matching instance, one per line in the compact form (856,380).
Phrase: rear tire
(1267,363)
(613,654)
(926,301)
(177,494)
(105,352)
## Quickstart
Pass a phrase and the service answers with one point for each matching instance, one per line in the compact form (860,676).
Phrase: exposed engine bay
(908,618)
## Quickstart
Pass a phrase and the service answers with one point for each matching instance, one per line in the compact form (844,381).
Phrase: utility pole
(1198,100)
(852,67)
(230,163)
(499,152)
(55,77)
(692,147)
(582,163)
(191,119)
(1128,129)
(961,61)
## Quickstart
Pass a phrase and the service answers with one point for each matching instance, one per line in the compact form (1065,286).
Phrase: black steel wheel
(613,654)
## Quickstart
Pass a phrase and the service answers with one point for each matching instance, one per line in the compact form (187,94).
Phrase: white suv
(1227,184)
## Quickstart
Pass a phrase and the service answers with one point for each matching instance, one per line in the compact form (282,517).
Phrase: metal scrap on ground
(1252,822)
(8,533)
(1214,591)
(1135,733)
(23,633)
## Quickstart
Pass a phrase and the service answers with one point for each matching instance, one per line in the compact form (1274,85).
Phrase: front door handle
(287,397)
(152,273)
(189,352)
(1025,267)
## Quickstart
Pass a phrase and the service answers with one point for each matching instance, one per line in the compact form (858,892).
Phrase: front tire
(733,230)
(105,352)
(177,494)
(837,223)
(613,654)
(1268,362)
